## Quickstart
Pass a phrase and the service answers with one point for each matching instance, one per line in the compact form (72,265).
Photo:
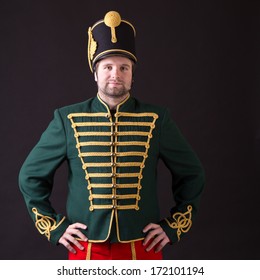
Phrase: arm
(36,180)
(187,185)
(188,179)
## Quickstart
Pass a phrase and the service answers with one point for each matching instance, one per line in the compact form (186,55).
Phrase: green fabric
(58,144)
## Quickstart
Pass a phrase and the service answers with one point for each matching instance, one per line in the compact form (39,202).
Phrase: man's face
(114,76)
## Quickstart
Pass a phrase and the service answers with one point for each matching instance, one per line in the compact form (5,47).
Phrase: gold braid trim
(133,250)
(92,133)
(110,196)
(119,186)
(118,175)
(118,133)
(182,222)
(70,116)
(45,224)
(96,143)
(118,207)
(138,133)
(118,164)
(125,114)
(93,143)
(88,256)
(80,124)
(121,154)
(95,154)
(112,154)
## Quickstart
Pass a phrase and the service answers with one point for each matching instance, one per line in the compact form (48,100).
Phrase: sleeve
(36,180)
(188,179)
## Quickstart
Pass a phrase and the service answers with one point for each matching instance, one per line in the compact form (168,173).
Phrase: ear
(95,75)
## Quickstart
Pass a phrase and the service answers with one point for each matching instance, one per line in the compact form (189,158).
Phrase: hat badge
(112,19)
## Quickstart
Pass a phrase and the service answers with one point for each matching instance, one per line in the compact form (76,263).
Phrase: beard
(115,92)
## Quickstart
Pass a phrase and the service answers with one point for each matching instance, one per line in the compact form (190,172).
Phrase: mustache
(115,80)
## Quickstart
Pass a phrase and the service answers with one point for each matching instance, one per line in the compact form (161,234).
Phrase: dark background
(200,58)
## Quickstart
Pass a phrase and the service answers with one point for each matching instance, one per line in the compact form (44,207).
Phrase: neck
(112,102)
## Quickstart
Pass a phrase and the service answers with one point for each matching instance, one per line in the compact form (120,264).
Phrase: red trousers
(114,251)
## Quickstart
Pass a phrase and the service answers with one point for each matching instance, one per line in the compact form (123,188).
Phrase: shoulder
(146,106)
(83,106)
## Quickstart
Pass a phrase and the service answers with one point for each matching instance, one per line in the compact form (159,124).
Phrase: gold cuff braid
(182,221)
(45,224)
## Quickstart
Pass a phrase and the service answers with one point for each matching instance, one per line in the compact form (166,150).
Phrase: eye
(107,67)
(124,68)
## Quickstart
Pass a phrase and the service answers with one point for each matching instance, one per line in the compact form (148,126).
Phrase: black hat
(111,36)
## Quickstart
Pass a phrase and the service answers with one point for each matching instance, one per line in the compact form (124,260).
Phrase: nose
(115,73)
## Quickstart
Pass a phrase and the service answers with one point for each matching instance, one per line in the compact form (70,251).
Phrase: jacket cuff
(52,228)
(178,224)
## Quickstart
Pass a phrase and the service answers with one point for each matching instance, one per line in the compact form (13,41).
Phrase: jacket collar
(127,105)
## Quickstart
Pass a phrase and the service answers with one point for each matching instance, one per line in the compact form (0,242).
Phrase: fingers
(153,230)
(74,230)
(69,237)
(156,237)
(158,242)
(68,246)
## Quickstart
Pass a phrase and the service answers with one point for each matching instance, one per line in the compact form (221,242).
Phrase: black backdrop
(200,58)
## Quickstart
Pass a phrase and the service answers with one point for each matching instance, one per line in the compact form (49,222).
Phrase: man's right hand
(69,237)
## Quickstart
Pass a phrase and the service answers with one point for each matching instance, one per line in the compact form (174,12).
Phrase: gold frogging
(113,155)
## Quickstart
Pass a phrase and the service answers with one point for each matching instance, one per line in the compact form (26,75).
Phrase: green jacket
(112,165)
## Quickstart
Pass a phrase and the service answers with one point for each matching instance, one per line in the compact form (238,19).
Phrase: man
(112,144)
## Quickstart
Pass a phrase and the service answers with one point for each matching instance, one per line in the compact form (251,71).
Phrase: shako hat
(111,36)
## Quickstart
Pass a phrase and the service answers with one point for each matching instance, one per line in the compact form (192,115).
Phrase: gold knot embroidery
(182,221)
(45,224)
